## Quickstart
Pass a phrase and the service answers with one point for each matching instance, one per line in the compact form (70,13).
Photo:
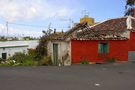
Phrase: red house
(111,39)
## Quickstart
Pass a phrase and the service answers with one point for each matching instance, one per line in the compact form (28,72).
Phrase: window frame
(102,49)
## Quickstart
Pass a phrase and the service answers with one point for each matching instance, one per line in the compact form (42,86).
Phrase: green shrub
(21,59)
(84,62)
(18,57)
(1,60)
(45,61)
(24,59)
(31,51)
(29,63)
(9,63)
(111,60)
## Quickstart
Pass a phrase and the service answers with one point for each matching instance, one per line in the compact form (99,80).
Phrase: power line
(28,25)
(33,25)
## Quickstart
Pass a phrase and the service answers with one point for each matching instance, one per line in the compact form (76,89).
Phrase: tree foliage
(129,8)
(130,2)
(41,49)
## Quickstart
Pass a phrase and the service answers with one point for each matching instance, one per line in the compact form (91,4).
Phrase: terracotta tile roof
(75,28)
(113,24)
(57,36)
(101,38)
(62,36)
(112,29)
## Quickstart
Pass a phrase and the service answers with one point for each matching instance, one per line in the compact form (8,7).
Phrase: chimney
(62,31)
(54,30)
(134,12)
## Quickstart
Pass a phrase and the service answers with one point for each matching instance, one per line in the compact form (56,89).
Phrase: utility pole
(7,28)
(71,22)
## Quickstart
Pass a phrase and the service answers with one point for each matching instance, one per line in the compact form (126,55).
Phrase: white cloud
(13,10)
(2,27)
(24,32)
(62,12)
(27,10)
(19,31)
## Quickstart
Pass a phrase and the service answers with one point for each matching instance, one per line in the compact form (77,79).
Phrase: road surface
(76,77)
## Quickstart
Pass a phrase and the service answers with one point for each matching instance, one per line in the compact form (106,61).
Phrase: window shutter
(103,48)
(99,48)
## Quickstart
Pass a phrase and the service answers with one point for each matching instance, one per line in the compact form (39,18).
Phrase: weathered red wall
(88,50)
(132,41)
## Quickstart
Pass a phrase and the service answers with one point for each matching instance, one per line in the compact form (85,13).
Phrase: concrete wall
(131,56)
(11,51)
(63,49)
(31,43)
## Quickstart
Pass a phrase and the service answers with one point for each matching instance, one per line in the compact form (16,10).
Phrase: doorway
(55,54)
(4,56)
(131,56)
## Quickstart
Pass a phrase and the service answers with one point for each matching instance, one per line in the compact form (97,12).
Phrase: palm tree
(129,7)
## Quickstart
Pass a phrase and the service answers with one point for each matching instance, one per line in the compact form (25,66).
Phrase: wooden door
(55,54)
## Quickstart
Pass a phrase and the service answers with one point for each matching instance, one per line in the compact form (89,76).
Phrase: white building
(59,49)
(59,52)
(9,48)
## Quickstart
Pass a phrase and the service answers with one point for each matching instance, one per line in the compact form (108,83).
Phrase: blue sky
(57,12)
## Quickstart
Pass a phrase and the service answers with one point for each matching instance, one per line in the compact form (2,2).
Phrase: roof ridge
(108,20)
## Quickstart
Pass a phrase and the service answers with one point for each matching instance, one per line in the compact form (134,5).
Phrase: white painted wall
(11,51)
(63,49)
(31,43)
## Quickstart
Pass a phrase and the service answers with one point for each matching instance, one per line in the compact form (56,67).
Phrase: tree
(130,2)
(41,49)
(129,7)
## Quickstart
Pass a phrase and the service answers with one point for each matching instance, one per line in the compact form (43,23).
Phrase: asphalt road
(77,77)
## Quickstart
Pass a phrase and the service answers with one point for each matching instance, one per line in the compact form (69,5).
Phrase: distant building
(7,51)
(9,48)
